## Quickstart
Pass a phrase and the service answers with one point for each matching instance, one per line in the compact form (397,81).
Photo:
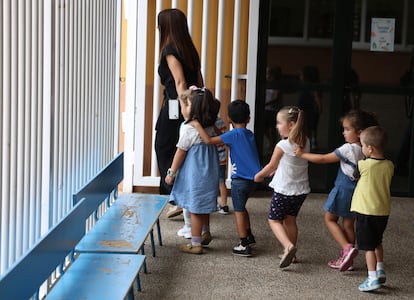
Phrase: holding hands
(298,151)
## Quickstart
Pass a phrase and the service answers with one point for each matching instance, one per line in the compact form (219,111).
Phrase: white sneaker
(185,232)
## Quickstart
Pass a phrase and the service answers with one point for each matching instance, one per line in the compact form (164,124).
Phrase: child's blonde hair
(185,96)
(298,133)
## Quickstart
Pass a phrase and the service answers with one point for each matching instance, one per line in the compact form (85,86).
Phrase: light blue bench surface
(125,226)
(129,220)
(98,276)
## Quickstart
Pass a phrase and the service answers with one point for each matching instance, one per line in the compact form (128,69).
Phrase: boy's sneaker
(185,232)
(206,238)
(381,276)
(224,210)
(348,256)
(369,285)
(191,249)
(242,250)
(251,241)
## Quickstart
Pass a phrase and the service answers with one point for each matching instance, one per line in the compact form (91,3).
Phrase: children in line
(372,204)
(339,199)
(245,164)
(290,181)
(195,169)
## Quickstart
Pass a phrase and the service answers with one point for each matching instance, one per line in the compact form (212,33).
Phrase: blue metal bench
(104,262)
(126,225)
(88,276)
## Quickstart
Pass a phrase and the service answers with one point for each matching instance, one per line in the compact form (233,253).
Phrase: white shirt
(189,136)
(291,177)
(353,152)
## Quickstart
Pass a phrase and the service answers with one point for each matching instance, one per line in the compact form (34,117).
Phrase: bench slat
(125,226)
(93,276)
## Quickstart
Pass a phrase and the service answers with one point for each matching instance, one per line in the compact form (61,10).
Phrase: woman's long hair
(172,24)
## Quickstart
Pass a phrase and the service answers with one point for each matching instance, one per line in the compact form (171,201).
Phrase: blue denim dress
(340,197)
(196,185)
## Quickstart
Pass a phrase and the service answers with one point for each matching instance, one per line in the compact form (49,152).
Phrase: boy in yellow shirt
(371,203)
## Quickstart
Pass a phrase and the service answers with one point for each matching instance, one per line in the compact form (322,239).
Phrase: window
(312,21)
(287,18)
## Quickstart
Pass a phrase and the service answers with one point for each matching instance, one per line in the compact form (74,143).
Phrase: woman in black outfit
(179,68)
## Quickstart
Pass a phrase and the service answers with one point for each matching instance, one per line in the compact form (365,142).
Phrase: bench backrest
(100,186)
(28,273)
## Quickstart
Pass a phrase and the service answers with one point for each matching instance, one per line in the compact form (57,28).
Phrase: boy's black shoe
(224,210)
(242,250)
(251,242)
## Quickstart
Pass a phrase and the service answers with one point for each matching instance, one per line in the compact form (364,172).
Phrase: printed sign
(382,34)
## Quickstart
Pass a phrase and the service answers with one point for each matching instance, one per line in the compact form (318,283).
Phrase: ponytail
(298,133)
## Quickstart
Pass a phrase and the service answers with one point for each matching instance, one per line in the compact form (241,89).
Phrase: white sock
(372,275)
(187,218)
(380,266)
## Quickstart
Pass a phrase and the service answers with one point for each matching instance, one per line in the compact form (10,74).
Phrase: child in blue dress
(195,169)
(339,199)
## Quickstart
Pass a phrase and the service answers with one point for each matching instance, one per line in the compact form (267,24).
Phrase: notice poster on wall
(382,34)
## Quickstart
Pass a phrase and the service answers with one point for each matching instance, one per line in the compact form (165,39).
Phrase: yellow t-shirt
(372,193)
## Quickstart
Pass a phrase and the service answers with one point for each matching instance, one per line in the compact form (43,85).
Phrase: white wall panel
(59,120)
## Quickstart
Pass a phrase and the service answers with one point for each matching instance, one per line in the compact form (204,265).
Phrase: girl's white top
(353,152)
(291,177)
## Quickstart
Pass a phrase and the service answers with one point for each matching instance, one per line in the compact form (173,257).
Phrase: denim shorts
(241,190)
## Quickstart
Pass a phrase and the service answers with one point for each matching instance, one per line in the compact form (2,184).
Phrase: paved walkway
(217,274)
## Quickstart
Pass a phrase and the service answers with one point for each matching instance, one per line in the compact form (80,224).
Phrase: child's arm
(271,167)
(317,158)
(179,157)
(204,135)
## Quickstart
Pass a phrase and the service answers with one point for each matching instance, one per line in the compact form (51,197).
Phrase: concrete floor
(218,274)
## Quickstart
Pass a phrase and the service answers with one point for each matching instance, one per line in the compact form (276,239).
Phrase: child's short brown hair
(375,136)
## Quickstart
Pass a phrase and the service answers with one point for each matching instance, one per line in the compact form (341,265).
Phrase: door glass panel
(286,18)
(321,18)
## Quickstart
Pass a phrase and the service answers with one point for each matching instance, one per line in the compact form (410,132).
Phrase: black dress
(167,131)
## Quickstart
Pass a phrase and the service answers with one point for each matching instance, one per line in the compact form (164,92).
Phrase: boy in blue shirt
(245,164)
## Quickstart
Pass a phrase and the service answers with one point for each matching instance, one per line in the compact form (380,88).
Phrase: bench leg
(159,232)
(138,283)
(131,293)
(145,263)
(152,243)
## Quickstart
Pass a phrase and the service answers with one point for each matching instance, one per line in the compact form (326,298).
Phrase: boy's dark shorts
(369,231)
